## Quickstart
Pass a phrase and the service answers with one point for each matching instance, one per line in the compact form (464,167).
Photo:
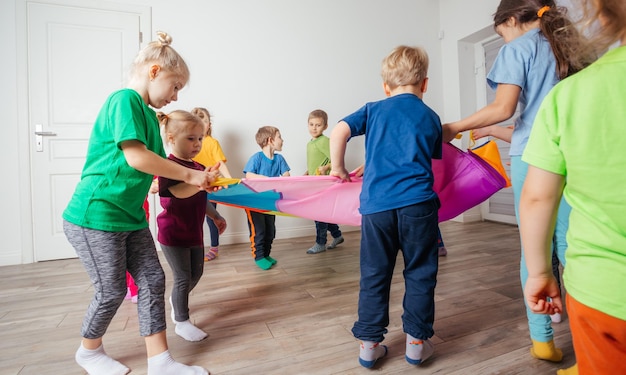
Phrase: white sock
(417,351)
(97,362)
(189,332)
(173,313)
(371,351)
(164,364)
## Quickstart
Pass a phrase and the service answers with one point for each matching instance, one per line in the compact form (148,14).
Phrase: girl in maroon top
(180,223)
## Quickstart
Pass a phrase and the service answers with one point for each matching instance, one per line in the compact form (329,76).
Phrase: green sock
(264,263)
(274,261)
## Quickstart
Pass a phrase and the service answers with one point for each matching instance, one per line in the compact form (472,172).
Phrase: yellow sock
(546,351)
(568,371)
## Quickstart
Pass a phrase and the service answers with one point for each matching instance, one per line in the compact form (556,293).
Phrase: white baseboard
(9,259)
(242,237)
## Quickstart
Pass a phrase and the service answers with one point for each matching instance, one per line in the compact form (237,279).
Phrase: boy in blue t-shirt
(398,205)
(265,163)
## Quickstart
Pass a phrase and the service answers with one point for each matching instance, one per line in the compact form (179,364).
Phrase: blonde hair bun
(164,38)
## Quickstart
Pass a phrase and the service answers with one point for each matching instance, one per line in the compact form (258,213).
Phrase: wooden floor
(293,319)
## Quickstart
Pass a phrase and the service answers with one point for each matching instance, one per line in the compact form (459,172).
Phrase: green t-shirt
(317,154)
(579,133)
(111,193)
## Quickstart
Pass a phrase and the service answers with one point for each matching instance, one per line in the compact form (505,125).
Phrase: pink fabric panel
(337,204)
(293,187)
(462,181)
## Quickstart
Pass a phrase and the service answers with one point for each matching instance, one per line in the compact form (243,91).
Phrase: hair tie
(541,11)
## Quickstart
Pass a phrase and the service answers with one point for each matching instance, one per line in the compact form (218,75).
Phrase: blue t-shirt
(527,62)
(261,164)
(402,136)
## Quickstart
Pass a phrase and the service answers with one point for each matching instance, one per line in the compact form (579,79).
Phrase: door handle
(39,134)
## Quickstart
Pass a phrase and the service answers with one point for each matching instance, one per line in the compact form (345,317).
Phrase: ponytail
(567,43)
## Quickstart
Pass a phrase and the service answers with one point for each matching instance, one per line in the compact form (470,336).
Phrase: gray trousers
(187,264)
(106,256)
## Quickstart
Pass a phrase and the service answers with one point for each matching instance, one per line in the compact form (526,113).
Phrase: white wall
(460,18)
(12,197)
(253,63)
(271,62)
(263,62)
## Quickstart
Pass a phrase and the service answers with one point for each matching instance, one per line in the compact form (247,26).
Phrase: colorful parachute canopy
(462,180)
(489,152)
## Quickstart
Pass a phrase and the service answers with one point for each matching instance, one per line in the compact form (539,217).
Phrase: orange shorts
(599,340)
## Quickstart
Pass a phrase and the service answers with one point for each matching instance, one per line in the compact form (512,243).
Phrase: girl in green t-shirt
(105,221)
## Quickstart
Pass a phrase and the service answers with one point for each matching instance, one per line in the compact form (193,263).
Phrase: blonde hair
(203,113)
(405,66)
(318,113)
(264,133)
(161,53)
(178,121)
(613,28)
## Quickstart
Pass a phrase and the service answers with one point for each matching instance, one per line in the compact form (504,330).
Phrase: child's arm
(324,169)
(502,108)
(254,175)
(154,187)
(144,160)
(183,190)
(358,172)
(501,132)
(283,166)
(219,221)
(539,204)
(338,139)
(224,170)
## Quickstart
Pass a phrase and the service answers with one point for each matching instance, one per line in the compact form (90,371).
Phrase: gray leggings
(187,264)
(106,256)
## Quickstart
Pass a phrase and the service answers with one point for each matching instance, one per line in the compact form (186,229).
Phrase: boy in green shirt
(318,163)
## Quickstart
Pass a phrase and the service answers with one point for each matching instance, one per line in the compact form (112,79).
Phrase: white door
(76,58)
(500,206)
